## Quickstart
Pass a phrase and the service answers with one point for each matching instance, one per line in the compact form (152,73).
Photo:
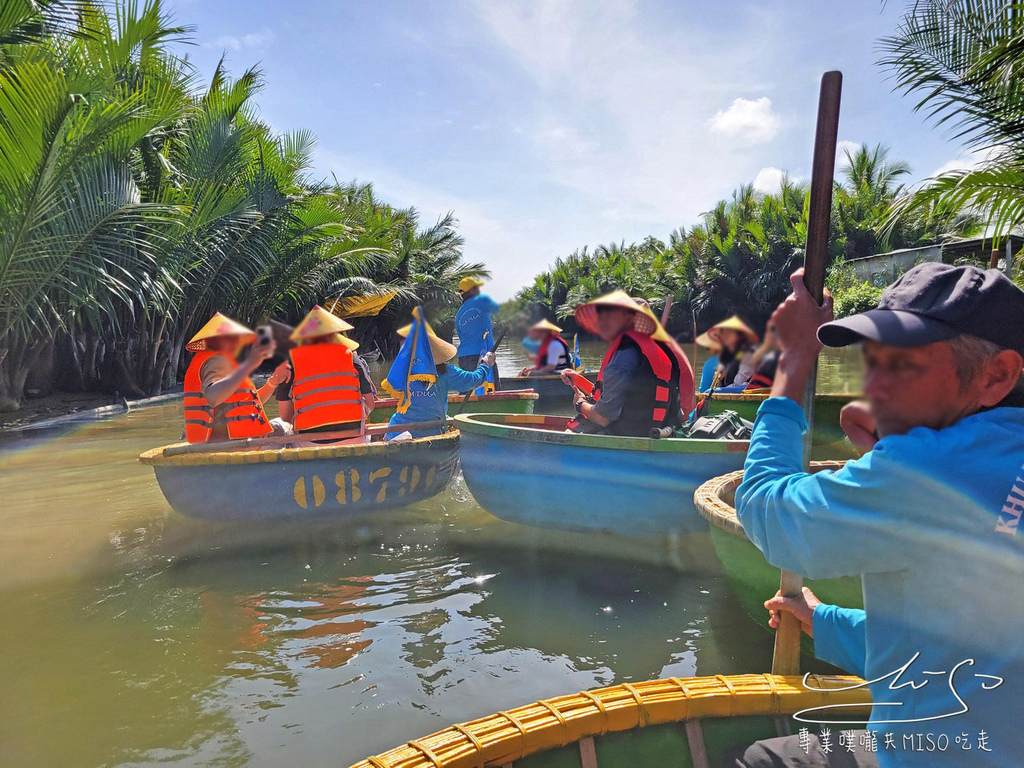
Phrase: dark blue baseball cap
(937,302)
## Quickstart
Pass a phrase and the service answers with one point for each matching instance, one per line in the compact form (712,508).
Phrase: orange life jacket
(242,412)
(325,387)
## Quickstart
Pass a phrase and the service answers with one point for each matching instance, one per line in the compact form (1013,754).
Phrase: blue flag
(415,362)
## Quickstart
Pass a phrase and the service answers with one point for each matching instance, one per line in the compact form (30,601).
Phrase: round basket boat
(829,438)
(751,577)
(330,481)
(529,470)
(506,401)
(692,721)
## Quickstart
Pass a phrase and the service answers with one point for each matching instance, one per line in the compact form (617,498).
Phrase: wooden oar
(665,312)
(497,381)
(497,376)
(255,443)
(786,660)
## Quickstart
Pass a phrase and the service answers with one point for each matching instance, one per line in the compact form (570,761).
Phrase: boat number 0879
(350,485)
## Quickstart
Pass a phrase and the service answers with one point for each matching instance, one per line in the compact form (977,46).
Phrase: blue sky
(546,125)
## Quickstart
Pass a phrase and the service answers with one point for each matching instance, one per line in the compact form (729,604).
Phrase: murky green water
(133,636)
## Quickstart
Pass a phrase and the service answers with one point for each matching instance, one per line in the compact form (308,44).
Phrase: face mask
(533,347)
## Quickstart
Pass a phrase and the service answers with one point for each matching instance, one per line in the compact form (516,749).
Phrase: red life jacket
(654,397)
(565,359)
(326,386)
(242,412)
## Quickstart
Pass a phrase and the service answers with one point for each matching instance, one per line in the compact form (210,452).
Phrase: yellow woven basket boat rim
(708,498)
(557,722)
(155,457)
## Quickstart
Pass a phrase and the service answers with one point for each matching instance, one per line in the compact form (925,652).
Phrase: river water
(133,636)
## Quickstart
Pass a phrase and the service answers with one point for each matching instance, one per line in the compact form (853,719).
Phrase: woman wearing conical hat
(707,372)
(221,402)
(553,353)
(329,391)
(428,400)
(736,358)
(645,381)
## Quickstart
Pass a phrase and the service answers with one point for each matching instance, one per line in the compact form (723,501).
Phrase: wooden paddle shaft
(253,443)
(667,310)
(497,343)
(786,660)
(497,380)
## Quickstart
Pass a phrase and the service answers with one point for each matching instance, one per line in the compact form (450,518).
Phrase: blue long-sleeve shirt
(707,373)
(930,521)
(431,403)
(473,324)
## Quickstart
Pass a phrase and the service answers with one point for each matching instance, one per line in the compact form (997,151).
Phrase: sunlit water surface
(133,636)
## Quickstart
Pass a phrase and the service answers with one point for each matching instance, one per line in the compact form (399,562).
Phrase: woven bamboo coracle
(502,738)
(714,498)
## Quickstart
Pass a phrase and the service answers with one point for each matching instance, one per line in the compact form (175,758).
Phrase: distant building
(882,268)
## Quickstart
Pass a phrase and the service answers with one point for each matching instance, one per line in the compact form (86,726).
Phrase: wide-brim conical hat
(319,322)
(705,340)
(545,325)
(733,323)
(219,325)
(645,321)
(439,348)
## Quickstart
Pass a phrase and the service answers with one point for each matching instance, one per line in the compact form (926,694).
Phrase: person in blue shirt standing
(473,323)
(929,517)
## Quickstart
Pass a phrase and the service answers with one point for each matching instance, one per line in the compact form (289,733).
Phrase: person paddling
(930,517)
(473,323)
(644,380)
(766,362)
(553,352)
(421,378)
(738,344)
(221,401)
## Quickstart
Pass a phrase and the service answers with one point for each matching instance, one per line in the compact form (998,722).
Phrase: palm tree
(133,205)
(76,234)
(965,62)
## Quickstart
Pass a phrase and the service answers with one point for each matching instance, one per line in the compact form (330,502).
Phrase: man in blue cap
(929,517)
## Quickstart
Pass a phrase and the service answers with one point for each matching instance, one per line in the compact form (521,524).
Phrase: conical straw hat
(645,322)
(350,344)
(707,342)
(319,322)
(733,323)
(439,348)
(545,325)
(219,325)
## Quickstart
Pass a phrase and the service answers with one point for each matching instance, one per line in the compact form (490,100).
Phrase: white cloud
(237,43)
(491,237)
(968,160)
(769,180)
(853,147)
(619,106)
(752,121)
